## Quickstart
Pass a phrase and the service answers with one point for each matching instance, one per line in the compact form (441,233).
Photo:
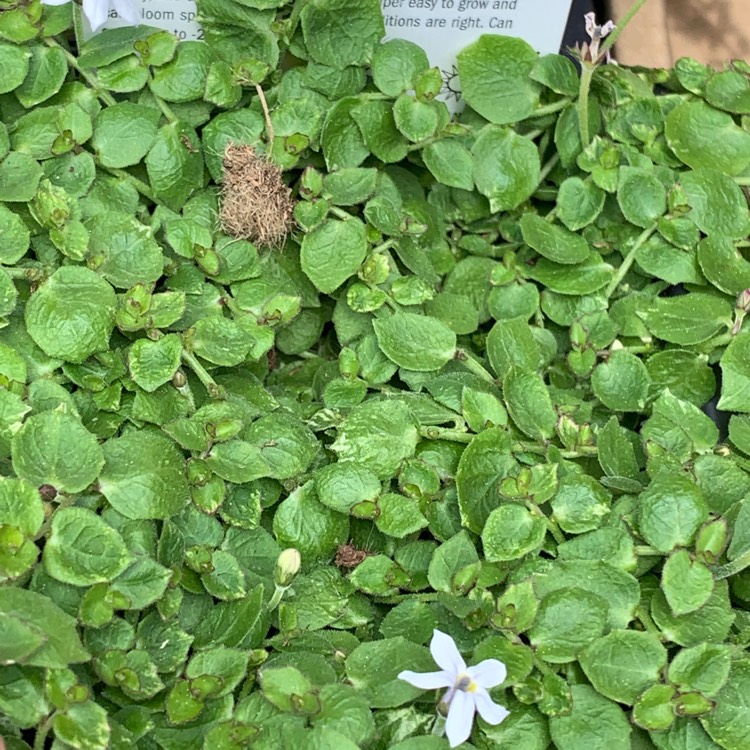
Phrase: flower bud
(287,567)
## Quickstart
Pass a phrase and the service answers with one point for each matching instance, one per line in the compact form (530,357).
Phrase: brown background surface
(712,31)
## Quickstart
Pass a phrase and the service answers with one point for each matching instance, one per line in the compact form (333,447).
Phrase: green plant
(461,389)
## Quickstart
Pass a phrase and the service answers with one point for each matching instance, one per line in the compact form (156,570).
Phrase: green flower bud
(287,567)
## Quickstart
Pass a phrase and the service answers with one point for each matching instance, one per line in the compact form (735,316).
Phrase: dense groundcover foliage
(467,388)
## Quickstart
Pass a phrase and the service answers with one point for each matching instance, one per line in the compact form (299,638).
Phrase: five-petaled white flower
(97,11)
(467,687)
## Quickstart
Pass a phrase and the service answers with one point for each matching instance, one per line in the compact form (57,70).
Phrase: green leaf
(82,549)
(735,384)
(416,342)
(153,363)
(183,79)
(344,710)
(567,621)
(584,278)
(553,242)
(616,453)
(378,127)
(61,645)
(730,91)
(579,202)
(622,382)
(511,532)
(687,584)
(286,445)
(495,78)
(449,162)
(341,486)
(143,476)
(618,589)
(396,65)
(710,623)
(723,265)
(350,185)
(593,721)
(623,663)
(83,725)
(680,427)
(687,319)
(654,709)
(372,669)
(672,510)
(399,515)
(48,68)
(303,522)
(729,723)
(580,504)
(511,344)
(641,195)
(14,237)
(71,315)
(221,341)
(339,34)
(175,164)
(703,668)
(124,251)
(717,203)
(416,120)
(55,448)
(378,435)
(529,404)
(14,61)
(485,461)
(19,177)
(333,252)
(506,166)
(342,140)
(124,133)
(452,557)
(703,137)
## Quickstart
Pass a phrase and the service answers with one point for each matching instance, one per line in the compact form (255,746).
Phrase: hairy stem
(627,261)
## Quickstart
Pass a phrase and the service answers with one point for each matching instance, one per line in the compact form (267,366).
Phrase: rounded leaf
(71,315)
(82,549)
(416,342)
(143,476)
(55,448)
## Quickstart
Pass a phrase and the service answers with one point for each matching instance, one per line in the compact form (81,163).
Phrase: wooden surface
(712,31)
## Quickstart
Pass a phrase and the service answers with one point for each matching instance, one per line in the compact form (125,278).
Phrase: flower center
(465,683)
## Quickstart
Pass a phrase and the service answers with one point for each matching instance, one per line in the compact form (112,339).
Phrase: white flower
(597,33)
(467,687)
(97,11)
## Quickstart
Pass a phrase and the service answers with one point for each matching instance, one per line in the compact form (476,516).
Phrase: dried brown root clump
(256,203)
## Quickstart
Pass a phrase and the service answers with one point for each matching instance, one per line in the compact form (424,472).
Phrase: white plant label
(441,27)
(444,27)
(177,16)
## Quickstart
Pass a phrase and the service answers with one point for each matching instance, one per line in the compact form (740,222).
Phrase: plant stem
(41,735)
(587,73)
(549,109)
(627,261)
(139,185)
(548,167)
(266,113)
(213,388)
(473,366)
(26,273)
(732,568)
(277,596)
(105,96)
(646,551)
(441,433)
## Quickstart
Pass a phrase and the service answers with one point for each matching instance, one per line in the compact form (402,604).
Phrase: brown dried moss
(256,203)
